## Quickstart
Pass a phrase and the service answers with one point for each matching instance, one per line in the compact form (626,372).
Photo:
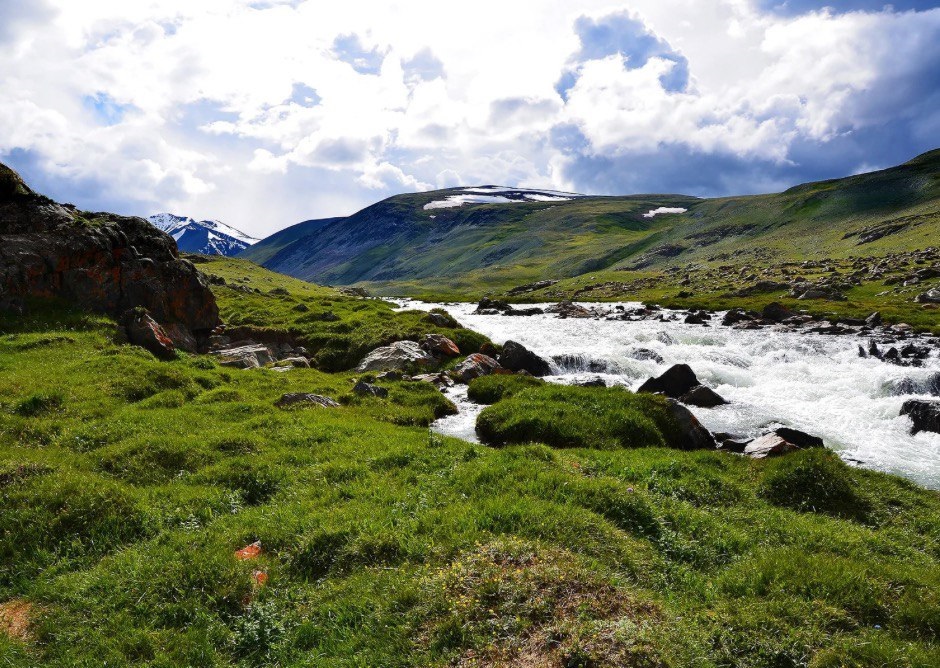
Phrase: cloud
(625,35)
(798,7)
(262,113)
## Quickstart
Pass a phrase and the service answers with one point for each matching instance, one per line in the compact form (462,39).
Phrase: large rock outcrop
(102,262)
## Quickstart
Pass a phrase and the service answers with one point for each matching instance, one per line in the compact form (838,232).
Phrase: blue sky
(262,114)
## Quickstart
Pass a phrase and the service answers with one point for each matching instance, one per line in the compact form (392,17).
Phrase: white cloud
(439,96)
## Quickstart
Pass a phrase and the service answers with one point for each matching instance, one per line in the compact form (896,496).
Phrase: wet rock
(925,415)
(644,354)
(367,389)
(702,397)
(776,312)
(735,445)
(144,331)
(697,318)
(929,385)
(524,311)
(735,316)
(475,366)
(301,399)
(489,306)
(396,357)
(675,382)
(440,346)
(517,357)
(593,382)
(799,438)
(693,436)
(567,309)
(873,320)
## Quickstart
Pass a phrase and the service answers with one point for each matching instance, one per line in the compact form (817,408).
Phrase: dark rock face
(780,442)
(693,436)
(439,346)
(776,312)
(799,438)
(702,397)
(108,264)
(517,357)
(925,415)
(675,382)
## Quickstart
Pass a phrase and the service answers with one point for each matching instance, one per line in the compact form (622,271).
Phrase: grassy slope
(126,485)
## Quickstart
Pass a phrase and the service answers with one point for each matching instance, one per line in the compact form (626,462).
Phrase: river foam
(815,383)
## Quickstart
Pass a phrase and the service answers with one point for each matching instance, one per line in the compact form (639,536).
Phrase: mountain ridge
(206,237)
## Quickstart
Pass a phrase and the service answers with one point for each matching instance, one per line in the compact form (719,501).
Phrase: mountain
(262,251)
(208,237)
(491,237)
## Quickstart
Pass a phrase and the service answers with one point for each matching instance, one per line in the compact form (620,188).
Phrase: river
(812,382)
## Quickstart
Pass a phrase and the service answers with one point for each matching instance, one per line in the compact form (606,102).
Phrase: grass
(128,484)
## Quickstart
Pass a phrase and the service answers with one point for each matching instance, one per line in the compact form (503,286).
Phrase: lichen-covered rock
(440,345)
(144,331)
(398,356)
(475,366)
(101,262)
(302,399)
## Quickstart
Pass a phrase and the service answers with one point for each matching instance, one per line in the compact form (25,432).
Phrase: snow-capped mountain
(209,237)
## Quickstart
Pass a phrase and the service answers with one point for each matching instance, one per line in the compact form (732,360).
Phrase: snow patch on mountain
(208,237)
(662,210)
(500,195)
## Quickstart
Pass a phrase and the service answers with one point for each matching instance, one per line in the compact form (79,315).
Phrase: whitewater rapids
(815,383)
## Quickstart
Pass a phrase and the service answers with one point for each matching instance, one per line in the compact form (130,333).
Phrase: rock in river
(702,397)
(474,366)
(925,415)
(675,382)
(517,357)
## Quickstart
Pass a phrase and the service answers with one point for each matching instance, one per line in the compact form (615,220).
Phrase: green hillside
(398,247)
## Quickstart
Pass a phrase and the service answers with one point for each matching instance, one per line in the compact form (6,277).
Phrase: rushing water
(815,383)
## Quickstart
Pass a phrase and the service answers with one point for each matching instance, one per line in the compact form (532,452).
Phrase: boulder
(644,354)
(249,356)
(144,331)
(735,316)
(366,389)
(702,397)
(675,382)
(439,345)
(567,309)
(517,357)
(769,445)
(593,382)
(489,306)
(873,320)
(182,338)
(692,435)
(109,265)
(439,380)
(925,415)
(475,366)
(932,296)
(534,310)
(781,441)
(390,376)
(776,312)
(301,399)
(396,357)
(441,320)
(295,362)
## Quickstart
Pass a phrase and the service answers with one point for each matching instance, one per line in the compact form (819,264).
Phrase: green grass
(490,389)
(127,484)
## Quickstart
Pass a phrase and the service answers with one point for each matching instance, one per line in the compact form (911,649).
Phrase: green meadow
(127,485)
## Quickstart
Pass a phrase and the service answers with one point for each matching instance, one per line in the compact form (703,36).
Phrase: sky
(263,113)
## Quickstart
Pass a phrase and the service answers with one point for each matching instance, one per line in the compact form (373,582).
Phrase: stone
(873,320)
(296,362)
(769,445)
(925,415)
(644,354)
(249,356)
(142,330)
(117,263)
(182,338)
(702,397)
(439,380)
(488,306)
(932,296)
(366,389)
(441,320)
(301,399)
(517,357)
(398,356)
(675,382)
(439,345)
(593,382)
(567,309)
(693,436)
(475,366)
(390,376)
(799,438)
(776,312)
